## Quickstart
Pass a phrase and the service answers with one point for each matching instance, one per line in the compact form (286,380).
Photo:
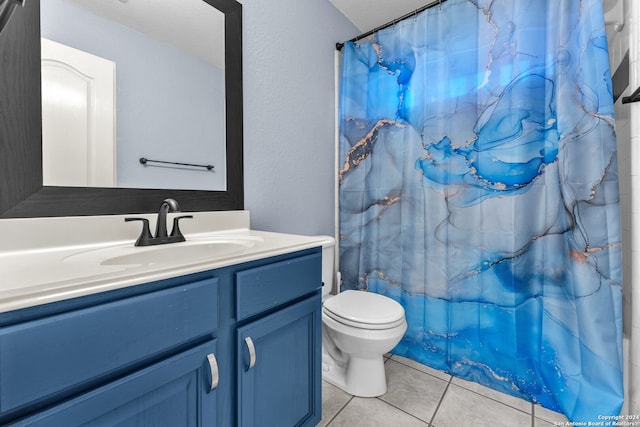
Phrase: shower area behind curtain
(479,188)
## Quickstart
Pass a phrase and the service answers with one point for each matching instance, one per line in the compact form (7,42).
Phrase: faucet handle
(176,234)
(145,236)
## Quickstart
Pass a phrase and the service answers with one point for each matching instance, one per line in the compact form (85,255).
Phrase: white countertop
(43,260)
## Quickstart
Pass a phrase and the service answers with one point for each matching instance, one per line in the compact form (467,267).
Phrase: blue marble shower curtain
(479,188)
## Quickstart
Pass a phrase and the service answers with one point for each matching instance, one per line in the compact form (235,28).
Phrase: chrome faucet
(161,237)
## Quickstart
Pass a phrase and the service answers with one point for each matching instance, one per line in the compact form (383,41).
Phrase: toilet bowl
(358,328)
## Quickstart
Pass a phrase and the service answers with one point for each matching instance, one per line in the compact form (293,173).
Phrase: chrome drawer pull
(252,352)
(213,365)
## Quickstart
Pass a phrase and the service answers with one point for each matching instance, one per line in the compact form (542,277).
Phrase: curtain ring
(415,15)
(439,5)
(394,25)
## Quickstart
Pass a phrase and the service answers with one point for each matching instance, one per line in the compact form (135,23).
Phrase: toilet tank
(328,265)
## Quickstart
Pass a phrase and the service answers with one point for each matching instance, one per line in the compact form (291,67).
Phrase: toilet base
(359,376)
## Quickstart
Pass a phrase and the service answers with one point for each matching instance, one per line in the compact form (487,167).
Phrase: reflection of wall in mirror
(170,105)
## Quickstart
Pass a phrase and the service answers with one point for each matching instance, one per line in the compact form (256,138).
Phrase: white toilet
(358,328)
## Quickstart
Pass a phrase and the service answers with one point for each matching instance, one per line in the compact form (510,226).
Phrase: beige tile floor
(423,397)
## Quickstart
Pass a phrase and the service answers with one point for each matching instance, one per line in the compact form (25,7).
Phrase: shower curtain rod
(390,23)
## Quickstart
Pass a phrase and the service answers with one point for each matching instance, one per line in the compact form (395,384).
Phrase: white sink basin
(197,250)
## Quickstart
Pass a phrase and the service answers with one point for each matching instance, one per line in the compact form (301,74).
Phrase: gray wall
(289,109)
(148,124)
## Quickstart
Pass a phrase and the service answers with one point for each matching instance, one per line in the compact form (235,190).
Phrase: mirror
(128,80)
(22,191)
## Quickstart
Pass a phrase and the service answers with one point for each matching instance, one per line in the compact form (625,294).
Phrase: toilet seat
(364,310)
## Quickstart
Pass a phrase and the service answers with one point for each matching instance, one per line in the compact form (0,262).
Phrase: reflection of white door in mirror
(78,117)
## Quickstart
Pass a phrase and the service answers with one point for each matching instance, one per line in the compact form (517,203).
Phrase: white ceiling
(369,14)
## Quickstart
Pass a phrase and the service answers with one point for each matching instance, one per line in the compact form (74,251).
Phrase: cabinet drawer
(54,357)
(262,288)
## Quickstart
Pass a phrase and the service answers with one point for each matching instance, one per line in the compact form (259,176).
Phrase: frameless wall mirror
(173,94)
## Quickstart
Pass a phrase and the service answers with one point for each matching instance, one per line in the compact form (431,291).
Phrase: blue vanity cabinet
(172,353)
(279,378)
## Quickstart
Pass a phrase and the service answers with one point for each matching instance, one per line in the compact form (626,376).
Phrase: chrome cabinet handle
(213,366)
(252,352)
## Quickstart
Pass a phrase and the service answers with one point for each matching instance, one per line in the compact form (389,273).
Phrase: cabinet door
(173,393)
(279,368)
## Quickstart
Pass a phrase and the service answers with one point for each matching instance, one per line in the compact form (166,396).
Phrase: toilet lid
(364,308)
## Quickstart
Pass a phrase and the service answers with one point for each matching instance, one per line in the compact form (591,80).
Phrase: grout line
(401,410)
(433,417)
(427,373)
(339,411)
